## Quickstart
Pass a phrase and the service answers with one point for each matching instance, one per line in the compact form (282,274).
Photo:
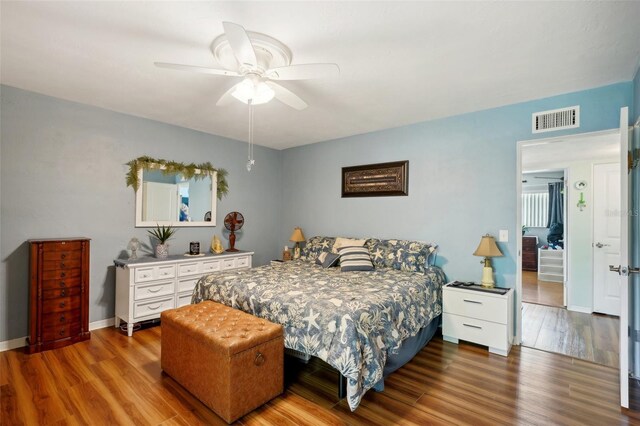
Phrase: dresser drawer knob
(62,256)
(259,359)
(62,284)
(62,304)
(62,318)
(62,331)
(62,275)
(62,264)
(63,293)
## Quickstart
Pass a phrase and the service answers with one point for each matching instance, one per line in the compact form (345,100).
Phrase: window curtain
(556,213)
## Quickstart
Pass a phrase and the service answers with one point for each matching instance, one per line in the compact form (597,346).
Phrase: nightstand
(477,316)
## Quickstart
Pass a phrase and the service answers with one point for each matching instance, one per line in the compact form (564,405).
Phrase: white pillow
(346,242)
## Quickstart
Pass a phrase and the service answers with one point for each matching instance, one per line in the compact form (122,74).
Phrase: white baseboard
(7,345)
(109,322)
(579,309)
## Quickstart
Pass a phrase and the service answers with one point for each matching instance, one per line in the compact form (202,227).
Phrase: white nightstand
(479,317)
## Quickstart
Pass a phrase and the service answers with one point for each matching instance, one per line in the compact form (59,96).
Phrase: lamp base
(487,277)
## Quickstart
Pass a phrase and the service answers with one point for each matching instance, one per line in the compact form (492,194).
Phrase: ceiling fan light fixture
(248,90)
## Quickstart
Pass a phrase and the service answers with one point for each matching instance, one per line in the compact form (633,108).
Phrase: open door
(627,238)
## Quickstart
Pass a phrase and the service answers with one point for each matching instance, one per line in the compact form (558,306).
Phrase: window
(535,208)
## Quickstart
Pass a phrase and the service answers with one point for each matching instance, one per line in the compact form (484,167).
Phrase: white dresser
(147,286)
(478,317)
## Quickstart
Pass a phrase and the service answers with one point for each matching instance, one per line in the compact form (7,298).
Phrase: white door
(159,202)
(625,237)
(606,238)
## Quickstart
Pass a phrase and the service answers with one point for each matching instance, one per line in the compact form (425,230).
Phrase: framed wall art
(376,180)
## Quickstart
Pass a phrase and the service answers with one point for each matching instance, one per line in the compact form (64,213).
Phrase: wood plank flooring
(590,337)
(113,379)
(541,292)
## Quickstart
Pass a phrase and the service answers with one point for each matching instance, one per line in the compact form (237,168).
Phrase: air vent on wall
(555,119)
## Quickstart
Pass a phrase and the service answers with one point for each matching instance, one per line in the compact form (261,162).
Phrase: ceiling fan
(260,60)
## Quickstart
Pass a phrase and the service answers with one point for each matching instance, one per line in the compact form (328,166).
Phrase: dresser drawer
(149,291)
(60,331)
(62,255)
(242,262)
(62,264)
(477,331)
(60,318)
(60,304)
(228,264)
(61,292)
(475,304)
(211,266)
(61,283)
(65,273)
(58,246)
(187,284)
(151,273)
(142,309)
(189,268)
(183,299)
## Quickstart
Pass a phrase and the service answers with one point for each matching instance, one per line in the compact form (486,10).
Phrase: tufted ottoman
(228,359)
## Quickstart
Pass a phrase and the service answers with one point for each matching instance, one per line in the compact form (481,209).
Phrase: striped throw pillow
(355,259)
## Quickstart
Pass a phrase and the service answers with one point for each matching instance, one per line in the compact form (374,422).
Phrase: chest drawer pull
(473,301)
(62,331)
(63,293)
(62,264)
(62,275)
(154,291)
(472,326)
(62,304)
(62,284)
(153,308)
(164,274)
(63,255)
(62,318)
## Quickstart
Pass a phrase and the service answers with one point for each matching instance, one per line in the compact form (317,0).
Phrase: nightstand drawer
(475,304)
(477,331)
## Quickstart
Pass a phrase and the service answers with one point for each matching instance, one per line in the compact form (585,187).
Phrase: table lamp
(487,249)
(297,237)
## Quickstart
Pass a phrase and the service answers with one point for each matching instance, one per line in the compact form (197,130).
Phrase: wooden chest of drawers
(530,253)
(58,293)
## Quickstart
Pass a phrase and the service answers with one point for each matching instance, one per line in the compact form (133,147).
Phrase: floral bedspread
(348,319)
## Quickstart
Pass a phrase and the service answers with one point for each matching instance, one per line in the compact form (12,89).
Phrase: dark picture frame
(376,180)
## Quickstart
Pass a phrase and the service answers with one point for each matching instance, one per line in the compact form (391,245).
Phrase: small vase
(162,251)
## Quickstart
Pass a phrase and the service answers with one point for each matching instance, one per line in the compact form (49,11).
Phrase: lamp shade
(487,247)
(297,236)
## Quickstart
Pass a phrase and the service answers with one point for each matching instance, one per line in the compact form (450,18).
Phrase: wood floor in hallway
(590,337)
(541,292)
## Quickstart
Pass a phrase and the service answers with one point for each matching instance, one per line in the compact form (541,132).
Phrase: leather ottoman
(228,359)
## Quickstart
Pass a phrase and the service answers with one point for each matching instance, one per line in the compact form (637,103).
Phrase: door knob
(600,245)
(614,268)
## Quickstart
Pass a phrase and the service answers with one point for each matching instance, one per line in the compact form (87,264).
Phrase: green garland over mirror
(189,171)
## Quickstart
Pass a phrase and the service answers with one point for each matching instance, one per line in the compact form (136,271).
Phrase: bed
(354,321)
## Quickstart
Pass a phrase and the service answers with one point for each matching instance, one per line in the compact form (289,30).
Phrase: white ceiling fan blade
(286,96)
(227,97)
(193,68)
(303,72)
(240,44)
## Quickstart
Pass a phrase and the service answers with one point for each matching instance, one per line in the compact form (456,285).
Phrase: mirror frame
(152,224)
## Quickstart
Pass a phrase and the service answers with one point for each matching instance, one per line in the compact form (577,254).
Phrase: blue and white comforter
(350,320)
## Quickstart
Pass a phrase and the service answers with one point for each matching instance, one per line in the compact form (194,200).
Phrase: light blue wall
(63,174)
(635,115)
(462,179)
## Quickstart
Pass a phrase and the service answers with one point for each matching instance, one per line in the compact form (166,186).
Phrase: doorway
(559,295)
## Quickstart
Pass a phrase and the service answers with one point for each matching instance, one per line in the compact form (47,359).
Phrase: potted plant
(162,234)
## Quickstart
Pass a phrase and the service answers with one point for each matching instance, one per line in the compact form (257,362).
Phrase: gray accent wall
(62,174)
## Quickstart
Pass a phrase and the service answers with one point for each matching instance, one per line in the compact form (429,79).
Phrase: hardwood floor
(113,379)
(591,337)
(541,292)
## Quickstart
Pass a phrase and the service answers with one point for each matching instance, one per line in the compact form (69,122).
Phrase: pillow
(346,242)
(355,259)
(327,259)
(403,255)
(314,246)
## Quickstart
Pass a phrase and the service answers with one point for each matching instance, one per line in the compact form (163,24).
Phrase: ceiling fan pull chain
(250,161)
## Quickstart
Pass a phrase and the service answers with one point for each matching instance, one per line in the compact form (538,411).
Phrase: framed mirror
(171,199)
